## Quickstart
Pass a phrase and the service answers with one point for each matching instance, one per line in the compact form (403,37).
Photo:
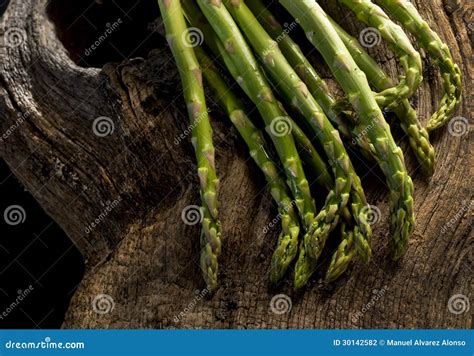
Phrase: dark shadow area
(40,268)
(102,31)
(3,6)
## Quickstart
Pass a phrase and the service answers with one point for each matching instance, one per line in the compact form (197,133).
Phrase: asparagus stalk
(343,121)
(282,72)
(253,81)
(354,82)
(311,157)
(287,245)
(404,12)
(343,256)
(277,270)
(316,85)
(372,15)
(319,90)
(346,250)
(417,135)
(191,77)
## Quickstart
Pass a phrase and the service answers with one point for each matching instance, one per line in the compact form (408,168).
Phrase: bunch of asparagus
(307,129)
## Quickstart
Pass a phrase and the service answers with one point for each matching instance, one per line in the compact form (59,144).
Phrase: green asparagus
(287,245)
(191,77)
(399,43)
(347,249)
(282,72)
(404,12)
(252,80)
(417,135)
(316,85)
(324,37)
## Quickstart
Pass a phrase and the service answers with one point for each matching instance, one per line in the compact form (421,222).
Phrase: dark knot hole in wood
(102,31)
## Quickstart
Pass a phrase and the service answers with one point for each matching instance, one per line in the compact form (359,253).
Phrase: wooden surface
(144,258)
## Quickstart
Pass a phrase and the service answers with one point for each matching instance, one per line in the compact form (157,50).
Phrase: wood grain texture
(141,253)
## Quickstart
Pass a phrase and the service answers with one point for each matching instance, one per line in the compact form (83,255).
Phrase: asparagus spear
(287,245)
(319,89)
(343,256)
(284,252)
(372,15)
(417,135)
(311,156)
(354,82)
(252,80)
(344,121)
(404,12)
(316,85)
(277,270)
(347,249)
(191,77)
(282,72)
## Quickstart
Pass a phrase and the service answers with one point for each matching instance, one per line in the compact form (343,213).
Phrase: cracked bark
(146,259)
